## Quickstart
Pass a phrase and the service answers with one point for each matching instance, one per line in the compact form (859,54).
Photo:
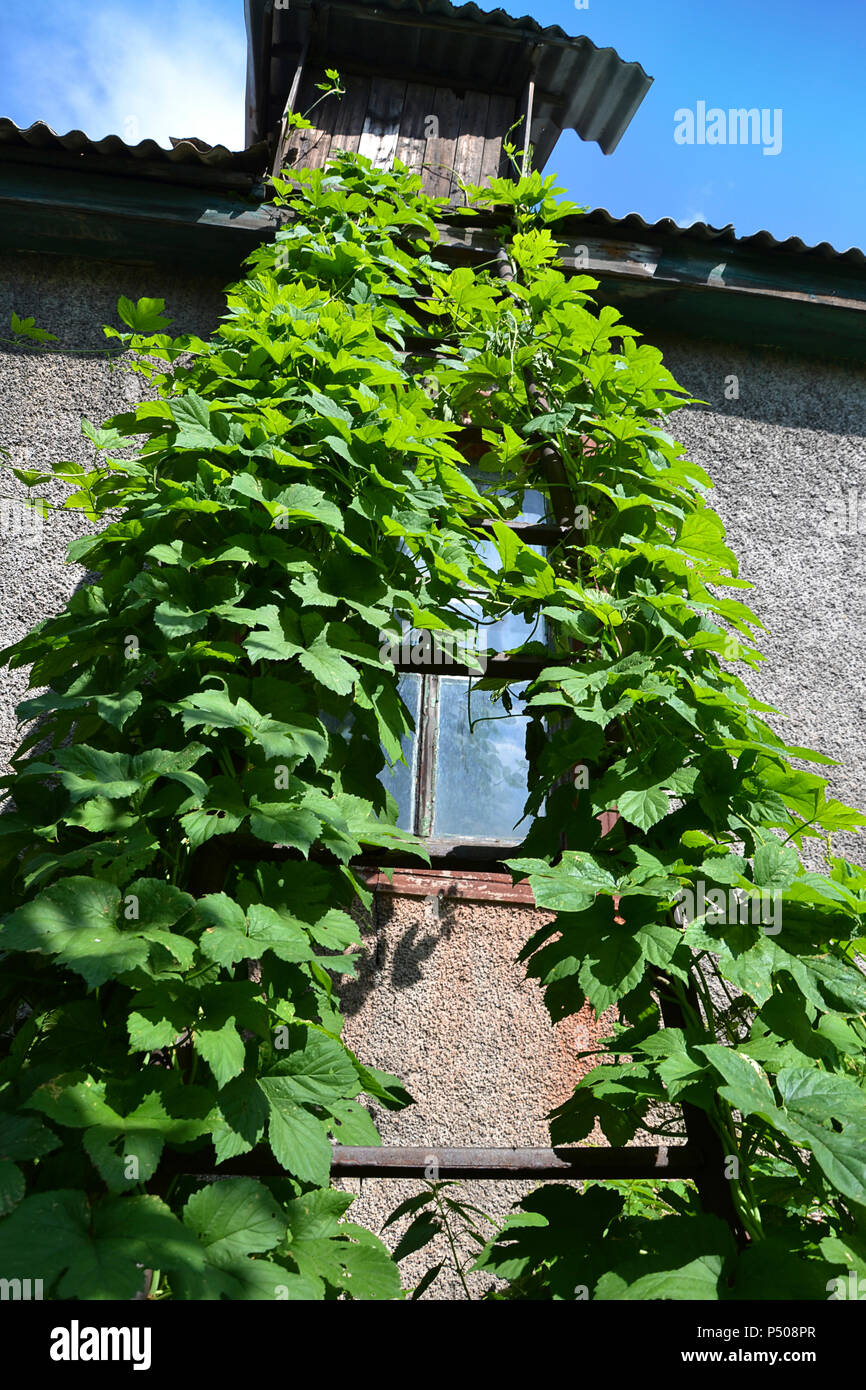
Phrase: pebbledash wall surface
(769,336)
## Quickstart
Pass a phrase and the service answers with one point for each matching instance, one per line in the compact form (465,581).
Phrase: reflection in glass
(512,630)
(399,780)
(481,774)
(506,633)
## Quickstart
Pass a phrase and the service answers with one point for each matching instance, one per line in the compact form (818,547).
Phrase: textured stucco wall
(42,399)
(440,1000)
(784,458)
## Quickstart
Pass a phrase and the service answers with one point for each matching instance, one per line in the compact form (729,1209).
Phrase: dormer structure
(438,86)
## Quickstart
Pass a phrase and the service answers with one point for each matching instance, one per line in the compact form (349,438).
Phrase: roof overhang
(203,209)
(193,205)
(576,85)
(706,282)
(189,161)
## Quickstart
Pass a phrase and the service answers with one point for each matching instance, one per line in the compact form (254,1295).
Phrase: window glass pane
(399,780)
(534,503)
(534,506)
(480,774)
(487,551)
(534,510)
(513,630)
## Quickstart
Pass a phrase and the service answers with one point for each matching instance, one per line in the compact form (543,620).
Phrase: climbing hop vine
(201,772)
(195,788)
(671,820)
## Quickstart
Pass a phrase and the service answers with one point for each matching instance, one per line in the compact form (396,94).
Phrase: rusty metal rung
(657,1161)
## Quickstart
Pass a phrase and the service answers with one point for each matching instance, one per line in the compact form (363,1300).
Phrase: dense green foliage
(220,690)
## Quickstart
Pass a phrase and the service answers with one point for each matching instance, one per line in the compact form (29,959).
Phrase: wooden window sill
(450,885)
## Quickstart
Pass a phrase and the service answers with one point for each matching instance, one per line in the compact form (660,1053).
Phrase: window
(464,782)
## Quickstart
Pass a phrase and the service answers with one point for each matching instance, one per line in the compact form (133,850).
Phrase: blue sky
(155,69)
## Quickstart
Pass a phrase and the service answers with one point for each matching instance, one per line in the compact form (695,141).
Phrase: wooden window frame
(472,853)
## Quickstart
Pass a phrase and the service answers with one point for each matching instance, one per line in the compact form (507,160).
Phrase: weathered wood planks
(448,136)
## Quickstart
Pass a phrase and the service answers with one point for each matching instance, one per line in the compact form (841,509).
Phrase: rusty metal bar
(450,885)
(395,1162)
(659,1162)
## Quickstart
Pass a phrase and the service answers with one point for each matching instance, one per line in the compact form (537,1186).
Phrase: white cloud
(690,218)
(141,73)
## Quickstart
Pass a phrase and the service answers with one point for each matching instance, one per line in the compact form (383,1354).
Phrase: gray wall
(440,1001)
(42,399)
(784,458)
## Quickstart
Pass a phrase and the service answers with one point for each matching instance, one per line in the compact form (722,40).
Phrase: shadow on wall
(413,947)
(442,1001)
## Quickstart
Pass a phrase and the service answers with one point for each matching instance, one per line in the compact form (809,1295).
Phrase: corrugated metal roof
(633,226)
(578,86)
(601,94)
(192,153)
(414,10)
(195,154)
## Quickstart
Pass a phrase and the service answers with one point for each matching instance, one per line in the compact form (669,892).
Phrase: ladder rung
(662,1162)
(676,1161)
